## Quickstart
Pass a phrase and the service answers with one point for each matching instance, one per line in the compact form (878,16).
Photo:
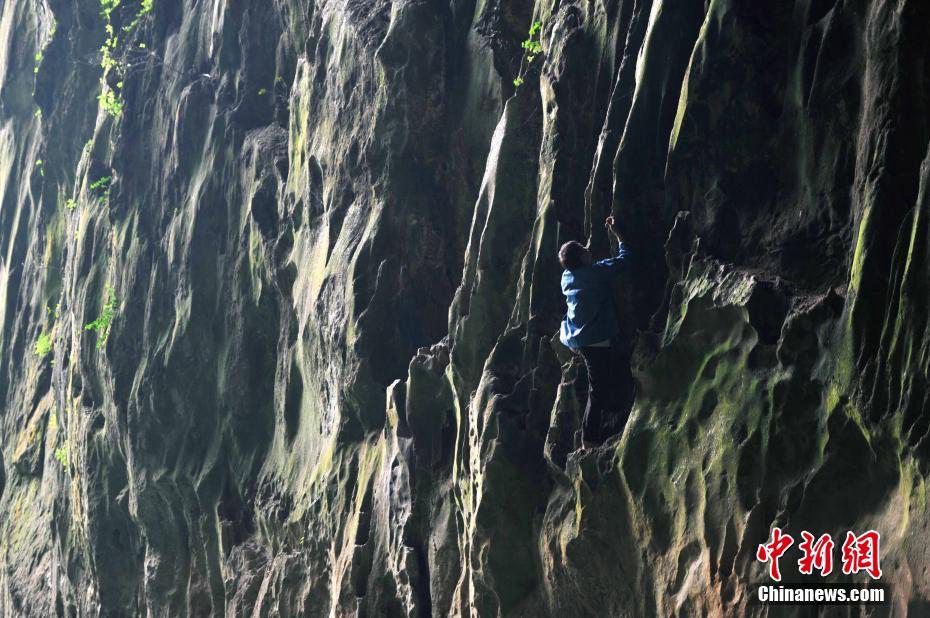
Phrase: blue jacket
(591,317)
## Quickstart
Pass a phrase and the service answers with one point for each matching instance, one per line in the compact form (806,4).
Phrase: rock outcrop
(279,302)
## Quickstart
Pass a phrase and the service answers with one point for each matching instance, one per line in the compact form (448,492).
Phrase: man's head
(573,255)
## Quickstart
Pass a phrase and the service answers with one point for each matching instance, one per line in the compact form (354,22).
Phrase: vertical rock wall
(315,243)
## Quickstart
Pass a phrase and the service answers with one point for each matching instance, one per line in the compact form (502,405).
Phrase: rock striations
(279,297)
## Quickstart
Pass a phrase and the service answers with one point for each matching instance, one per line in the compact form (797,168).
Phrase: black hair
(571,255)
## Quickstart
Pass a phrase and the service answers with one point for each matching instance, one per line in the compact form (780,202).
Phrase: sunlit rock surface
(326,234)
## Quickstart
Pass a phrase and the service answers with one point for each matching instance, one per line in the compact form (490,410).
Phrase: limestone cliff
(279,297)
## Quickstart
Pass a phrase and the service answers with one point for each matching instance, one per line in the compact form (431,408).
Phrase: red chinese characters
(817,554)
(773,550)
(861,553)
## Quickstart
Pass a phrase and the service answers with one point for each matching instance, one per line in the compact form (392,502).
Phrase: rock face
(279,297)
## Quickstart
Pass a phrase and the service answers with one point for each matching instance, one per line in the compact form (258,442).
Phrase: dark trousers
(609,393)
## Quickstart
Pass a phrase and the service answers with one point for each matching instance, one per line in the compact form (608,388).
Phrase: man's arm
(611,224)
(614,265)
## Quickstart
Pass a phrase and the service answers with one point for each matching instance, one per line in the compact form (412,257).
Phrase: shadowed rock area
(279,303)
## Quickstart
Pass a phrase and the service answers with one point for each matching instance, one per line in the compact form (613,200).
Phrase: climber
(590,326)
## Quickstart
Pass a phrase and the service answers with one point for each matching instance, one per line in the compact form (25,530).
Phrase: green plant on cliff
(41,53)
(61,454)
(101,188)
(109,96)
(144,10)
(107,7)
(101,183)
(103,322)
(111,104)
(532,47)
(43,345)
(44,342)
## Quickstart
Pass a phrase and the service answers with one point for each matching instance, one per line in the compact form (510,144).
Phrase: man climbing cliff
(590,328)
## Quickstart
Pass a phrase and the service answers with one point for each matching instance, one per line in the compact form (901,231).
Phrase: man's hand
(611,226)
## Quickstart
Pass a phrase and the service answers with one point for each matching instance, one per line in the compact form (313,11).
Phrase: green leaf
(61,454)
(102,323)
(43,345)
